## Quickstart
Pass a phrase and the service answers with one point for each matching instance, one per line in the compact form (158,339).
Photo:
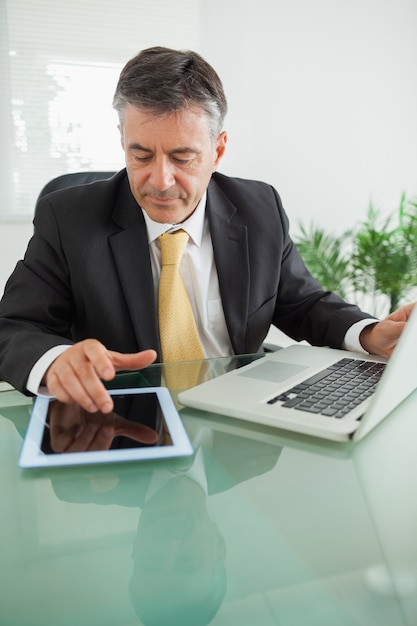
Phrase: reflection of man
(178,557)
(178,575)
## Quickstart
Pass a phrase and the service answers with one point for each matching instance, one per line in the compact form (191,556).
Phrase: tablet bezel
(31,455)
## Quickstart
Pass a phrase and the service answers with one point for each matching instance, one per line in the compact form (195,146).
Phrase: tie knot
(172,246)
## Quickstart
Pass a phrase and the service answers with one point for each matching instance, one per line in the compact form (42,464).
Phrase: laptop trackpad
(273,372)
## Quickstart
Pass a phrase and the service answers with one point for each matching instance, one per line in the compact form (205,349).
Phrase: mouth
(165,207)
(166,195)
(162,200)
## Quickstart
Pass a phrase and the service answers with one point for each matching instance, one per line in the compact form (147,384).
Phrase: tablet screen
(144,424)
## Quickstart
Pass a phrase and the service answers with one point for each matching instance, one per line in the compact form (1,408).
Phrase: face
(169,160)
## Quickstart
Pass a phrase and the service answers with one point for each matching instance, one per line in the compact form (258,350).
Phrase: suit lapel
(131,256)
(230,247)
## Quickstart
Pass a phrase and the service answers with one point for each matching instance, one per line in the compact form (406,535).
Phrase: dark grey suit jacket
(87,273)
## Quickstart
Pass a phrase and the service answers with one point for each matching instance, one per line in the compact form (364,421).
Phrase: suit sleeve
(304,310)
(37,303)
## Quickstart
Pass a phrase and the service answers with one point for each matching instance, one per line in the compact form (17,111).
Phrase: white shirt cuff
(351,341)
(39,369)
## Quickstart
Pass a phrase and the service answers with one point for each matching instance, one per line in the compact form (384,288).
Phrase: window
(59,63)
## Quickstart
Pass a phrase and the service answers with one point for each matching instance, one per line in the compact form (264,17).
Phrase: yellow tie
(177,327)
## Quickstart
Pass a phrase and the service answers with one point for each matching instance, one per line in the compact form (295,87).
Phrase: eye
(143,159)
(183,157)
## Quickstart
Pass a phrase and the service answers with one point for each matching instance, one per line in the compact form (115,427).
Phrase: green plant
(326,258)
(384,259)
(377,258)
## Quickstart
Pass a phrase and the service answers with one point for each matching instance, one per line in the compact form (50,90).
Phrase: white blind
(59,64)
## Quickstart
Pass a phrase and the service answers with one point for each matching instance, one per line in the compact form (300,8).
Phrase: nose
(162,176)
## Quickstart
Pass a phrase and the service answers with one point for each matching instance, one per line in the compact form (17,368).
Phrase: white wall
(323,100)
(322,104)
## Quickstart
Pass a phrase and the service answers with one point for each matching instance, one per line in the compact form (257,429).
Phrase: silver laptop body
(262,392)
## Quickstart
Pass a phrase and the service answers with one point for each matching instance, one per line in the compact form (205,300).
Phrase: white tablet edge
(31,455)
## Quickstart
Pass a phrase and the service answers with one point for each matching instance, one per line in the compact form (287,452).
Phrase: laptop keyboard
(336,390)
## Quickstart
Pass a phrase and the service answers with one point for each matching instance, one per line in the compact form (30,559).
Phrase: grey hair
(165,81)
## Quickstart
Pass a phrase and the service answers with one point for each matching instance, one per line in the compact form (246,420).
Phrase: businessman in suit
(83,302)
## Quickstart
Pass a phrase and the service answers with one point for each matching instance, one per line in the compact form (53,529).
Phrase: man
(83,302)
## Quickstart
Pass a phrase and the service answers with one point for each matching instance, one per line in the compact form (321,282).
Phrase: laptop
(323,392)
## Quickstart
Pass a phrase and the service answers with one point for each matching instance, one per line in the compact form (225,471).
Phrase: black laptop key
(318,377)
(329,412)
(309,408)
(273,400)
(342,363)
(289,404)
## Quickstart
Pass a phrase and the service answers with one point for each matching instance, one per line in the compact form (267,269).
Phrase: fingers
(402,314)
(75,376)
(134,361)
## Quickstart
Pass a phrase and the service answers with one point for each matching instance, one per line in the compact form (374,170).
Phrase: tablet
(143,425)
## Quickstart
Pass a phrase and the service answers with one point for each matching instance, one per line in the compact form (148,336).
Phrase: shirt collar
(193,225)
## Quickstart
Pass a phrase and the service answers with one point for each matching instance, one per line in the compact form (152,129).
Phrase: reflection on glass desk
(260,528)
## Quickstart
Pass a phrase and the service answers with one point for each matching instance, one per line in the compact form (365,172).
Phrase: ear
(220,149)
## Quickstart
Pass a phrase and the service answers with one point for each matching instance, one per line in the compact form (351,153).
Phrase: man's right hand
(75,375)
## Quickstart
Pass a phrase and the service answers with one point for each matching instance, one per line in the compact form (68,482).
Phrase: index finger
(134,361)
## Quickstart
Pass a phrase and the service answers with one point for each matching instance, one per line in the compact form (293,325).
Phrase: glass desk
(266,528)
